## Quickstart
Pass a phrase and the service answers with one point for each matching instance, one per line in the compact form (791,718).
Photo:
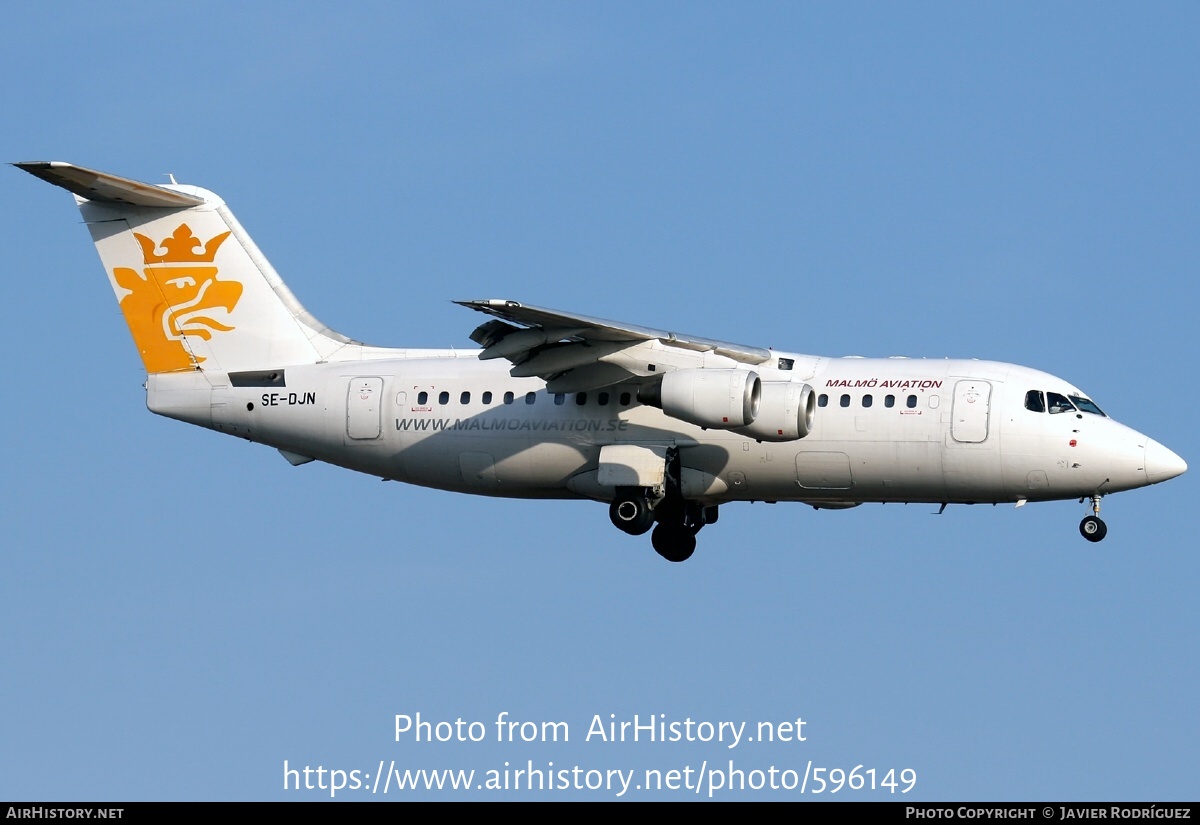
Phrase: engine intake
(786,413)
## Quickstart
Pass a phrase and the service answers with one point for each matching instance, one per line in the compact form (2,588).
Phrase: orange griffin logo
(174,296)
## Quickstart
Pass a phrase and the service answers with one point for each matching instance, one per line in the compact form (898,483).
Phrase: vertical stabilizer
(196,292)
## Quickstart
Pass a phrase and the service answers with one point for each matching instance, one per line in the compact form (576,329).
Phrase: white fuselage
(885,430)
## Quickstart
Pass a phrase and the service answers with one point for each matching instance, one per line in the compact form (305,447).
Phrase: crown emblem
(176,302)
(182,247)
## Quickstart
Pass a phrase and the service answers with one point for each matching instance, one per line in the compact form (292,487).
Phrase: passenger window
(1059,403)
(508,397)
(934,401)
(845,401)
(560,398)
(889,401)
(602,399)
(487,397)
(1035,401)
(822,400)
(422,398)
(465,398)
(626,399)
(911,401)
(581,398)
(530,397)
(868,400)
(443,397)
(786,363)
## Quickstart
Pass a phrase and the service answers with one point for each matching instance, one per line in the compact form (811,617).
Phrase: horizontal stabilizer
(195,290)
(101,186)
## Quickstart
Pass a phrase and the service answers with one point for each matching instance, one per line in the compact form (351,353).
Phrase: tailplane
(195,290)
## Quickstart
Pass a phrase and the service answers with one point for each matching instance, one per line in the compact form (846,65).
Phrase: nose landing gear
(1092,528)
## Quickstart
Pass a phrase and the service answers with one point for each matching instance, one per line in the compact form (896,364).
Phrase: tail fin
(194,289)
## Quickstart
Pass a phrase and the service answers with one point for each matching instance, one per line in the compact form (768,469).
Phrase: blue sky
(183,612)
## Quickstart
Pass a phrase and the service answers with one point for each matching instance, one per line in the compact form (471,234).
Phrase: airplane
(662,426)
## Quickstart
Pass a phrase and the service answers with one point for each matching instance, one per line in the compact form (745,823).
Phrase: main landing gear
(674,537)
(1092,528)
(634,510)
(678,523)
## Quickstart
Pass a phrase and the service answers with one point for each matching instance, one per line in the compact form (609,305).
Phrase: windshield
(1059,403)
(1087,406)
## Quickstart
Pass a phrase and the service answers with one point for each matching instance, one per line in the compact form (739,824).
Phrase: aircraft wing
(577,352)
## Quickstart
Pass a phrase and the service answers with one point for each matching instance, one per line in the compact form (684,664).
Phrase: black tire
(673,542)
(631,514)
(1093,529)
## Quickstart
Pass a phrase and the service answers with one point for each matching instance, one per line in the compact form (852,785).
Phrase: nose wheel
(1092,528)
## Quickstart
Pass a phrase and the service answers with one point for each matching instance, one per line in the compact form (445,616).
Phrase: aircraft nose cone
(1161,463)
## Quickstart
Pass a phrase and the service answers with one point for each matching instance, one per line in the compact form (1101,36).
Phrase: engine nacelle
(786,413)
(721,399)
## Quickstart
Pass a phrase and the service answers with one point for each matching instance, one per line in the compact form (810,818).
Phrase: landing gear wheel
(673,542)
(631,514)
(1093,529)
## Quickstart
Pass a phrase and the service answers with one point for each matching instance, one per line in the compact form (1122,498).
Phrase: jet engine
(786,412)
(721,399)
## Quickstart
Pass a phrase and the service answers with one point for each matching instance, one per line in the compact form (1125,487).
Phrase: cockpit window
(1035,401)
(1059,403)
(1087,406)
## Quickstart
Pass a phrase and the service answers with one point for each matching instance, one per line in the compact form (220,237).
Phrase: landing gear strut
(1092,528)
(678,521)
